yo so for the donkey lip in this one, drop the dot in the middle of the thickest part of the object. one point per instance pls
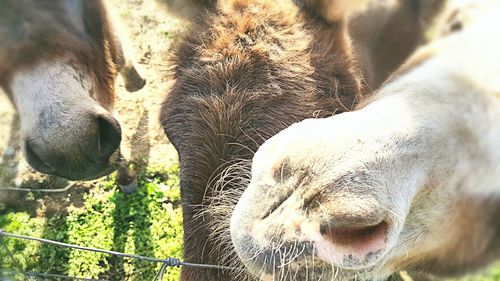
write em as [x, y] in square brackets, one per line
[355, 235]
[36, 162]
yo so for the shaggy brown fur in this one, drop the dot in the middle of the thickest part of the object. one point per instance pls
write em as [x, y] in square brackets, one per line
[32, 31]
[384, 37]
[246, 70]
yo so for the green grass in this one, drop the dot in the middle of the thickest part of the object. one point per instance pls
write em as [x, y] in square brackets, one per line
[148, 223]
[491, 274]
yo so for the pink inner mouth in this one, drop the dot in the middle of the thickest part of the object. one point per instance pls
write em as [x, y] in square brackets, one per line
[356, 237]
[357, 244]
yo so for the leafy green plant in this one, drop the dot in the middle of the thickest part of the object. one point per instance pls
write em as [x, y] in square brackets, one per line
[147, 223]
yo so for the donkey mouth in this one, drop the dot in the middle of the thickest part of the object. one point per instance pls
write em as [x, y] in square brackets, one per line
[355, 236]
[35, 161]
[353, 246]
[84, 170]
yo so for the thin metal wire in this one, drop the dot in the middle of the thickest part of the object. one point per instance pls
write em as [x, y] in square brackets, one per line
[39, 274]
[159, 275]
[9, 253]
[46, 190]
[173, 262]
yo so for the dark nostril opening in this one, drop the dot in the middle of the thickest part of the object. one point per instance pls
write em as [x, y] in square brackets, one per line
[276, 204]
[35, 161]
[110, 136]
[456, 26]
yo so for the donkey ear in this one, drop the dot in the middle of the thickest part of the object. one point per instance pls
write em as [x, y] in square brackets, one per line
[187, 9]
[334, 10]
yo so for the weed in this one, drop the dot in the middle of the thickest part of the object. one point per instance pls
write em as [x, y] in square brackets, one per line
[148, 223]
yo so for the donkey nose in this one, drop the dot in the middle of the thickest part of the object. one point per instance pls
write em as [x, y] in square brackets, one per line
[79, 146]
[108, 137]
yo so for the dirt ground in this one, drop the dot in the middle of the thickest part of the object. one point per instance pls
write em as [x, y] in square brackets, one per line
[150, 32]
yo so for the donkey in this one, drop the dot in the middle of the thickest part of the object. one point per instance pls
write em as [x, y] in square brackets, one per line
[409, 180]
[245, 70]
[58, 62]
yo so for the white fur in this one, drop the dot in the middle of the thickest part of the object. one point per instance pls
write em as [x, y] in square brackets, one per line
[57, 85]
[432, 133]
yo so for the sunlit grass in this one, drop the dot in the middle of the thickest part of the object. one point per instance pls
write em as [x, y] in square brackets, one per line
[147, 223]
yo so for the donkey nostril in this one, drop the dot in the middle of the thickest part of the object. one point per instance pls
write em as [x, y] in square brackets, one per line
[35, 161]
[109, 136]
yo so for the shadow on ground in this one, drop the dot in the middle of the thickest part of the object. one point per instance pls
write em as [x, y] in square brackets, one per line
[132, 227]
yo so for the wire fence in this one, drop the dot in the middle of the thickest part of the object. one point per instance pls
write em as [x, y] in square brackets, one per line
[44, 190]
[168, 262]
[31, 275]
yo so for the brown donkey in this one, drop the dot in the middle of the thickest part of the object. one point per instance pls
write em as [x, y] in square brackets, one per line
[58, 62]
[248, 69]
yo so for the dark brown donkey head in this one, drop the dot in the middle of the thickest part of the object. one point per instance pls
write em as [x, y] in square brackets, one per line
[58, 62]
[246, 70]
